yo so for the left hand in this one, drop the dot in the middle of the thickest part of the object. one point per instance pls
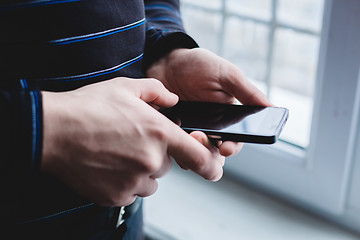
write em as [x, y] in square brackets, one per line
[200, 75]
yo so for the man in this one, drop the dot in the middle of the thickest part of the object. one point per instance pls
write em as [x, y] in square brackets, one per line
[81, 84]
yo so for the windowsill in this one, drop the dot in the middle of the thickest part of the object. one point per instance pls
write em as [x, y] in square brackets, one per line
[187, 207]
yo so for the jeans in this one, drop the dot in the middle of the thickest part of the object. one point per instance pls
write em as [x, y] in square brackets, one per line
[95, 223]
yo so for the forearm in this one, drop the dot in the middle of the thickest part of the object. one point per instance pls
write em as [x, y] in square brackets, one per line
[164, 14]
[164, 30]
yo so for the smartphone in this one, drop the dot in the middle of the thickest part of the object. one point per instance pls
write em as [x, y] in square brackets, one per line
[227, 122]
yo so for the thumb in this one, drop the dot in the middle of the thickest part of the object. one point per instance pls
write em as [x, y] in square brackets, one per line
[153, 91]
[236, 84]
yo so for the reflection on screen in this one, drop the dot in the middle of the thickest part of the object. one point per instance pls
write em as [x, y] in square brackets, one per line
[232, 118]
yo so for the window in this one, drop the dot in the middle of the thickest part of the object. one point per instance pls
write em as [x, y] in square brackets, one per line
[305, 55]
[276, 44]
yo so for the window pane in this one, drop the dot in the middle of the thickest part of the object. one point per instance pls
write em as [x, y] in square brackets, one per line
[293, 79]
[203, 26]
[295, 61]
[215, 4]
[246, 46]
[254, 8]
[302, 13]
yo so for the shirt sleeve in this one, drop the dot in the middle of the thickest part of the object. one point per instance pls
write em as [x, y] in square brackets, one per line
[164, 30]
[21, 135]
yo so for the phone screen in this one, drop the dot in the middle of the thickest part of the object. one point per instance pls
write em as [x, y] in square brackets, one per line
[234, 122]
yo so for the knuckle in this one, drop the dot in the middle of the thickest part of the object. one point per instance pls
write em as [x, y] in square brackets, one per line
[152, 164]
[151, 156]
[208, 170]
[150, 190]
[213, 176]
[151, 161]
[209, 176]
[155, 82]
[159, 132]
[199, 164]
[112, 200]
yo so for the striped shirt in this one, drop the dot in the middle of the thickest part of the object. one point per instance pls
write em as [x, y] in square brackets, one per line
[60, 45]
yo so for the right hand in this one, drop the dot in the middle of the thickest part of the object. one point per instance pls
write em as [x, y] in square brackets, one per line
[107, 143]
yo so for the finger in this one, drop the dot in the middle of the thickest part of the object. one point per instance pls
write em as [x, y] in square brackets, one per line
[220, 96]
[153, 91]
[147, 187]
[228, 148]
[191, 154]
[123, 202]
[182, 166]
[236, 84]
[156, 107]
[204, 140]
[166, 166]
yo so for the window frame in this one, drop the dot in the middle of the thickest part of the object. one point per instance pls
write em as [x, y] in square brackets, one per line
[318, 177]
[321, 177]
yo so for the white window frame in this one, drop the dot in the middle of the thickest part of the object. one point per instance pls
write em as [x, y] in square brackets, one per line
[319, 177]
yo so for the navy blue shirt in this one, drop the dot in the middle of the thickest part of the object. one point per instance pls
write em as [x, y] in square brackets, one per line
[60, 45]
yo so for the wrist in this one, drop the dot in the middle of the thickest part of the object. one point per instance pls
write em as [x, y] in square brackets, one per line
[163, 68]
[156, 48]
[53, 121]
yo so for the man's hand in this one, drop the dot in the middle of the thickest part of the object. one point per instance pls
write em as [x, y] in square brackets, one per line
[109, 144]
[200, 75]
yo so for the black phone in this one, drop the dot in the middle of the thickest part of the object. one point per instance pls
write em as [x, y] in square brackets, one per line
[228, 122]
